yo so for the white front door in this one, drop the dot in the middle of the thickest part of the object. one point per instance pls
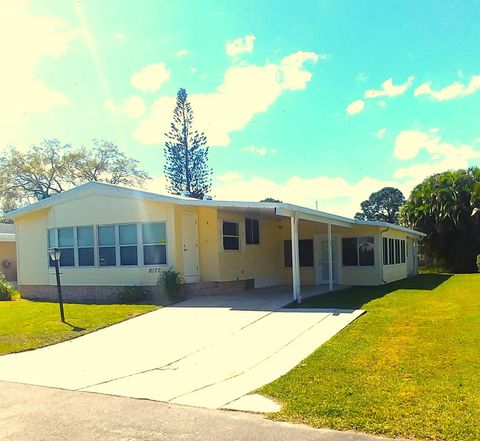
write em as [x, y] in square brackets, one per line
[320, 242]
[191, 271]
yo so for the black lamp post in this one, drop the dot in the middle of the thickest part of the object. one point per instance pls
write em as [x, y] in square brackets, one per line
[55, 257]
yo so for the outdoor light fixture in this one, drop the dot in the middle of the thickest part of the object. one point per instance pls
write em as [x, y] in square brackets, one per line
[55, 255]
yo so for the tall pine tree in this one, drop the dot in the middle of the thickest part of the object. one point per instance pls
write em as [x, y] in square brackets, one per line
[186, 167]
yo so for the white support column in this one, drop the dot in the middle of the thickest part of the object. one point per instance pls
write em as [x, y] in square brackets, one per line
[295, 259]
[330, 258]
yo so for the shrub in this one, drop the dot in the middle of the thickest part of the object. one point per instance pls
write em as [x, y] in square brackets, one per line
[133, 294]
[478, 263]
[7, 291]
[172, 281]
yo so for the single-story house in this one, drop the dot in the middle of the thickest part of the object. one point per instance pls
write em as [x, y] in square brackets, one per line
[8, 252]
[111, 236]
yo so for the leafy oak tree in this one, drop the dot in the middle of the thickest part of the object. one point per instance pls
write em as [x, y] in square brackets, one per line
[52, 167]
[270, 200]
[382, 205]
[186, 166]
[446, 207]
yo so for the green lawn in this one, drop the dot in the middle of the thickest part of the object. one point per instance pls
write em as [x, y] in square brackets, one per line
[28, 325]
[409, 367]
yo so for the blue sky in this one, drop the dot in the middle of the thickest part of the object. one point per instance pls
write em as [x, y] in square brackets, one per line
[305, 101]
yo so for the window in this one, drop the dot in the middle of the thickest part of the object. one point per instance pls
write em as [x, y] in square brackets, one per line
[366, 251]
[86, 255]
[391, 251]
[358, 251]
[349, 251]
[67, 246]
[116, 245]
[385, 250]
[154, 243]
[128, 244]
[107, 253]
[305, 251]
[397, 250]
[231, 238]
[394, 251]
[252, 231]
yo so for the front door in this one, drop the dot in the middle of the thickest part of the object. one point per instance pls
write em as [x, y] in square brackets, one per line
[191, 271]
[321, 259]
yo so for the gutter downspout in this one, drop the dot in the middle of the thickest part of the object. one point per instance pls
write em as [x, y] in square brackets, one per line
[381, 266]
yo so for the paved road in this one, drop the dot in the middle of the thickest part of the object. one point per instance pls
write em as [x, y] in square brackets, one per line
[206, 352]
[37, 413]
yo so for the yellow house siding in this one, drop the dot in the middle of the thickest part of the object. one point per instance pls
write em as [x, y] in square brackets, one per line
[251, 261]
[32, 257]
[8, 253]
[208, 244]
[91, 210]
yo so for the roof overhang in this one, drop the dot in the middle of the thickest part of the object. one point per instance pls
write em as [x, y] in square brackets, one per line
[313, 216]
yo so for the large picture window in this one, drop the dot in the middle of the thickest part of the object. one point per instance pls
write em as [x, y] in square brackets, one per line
[358, 251]
[115, 245]
[231, 236]
[305, 252]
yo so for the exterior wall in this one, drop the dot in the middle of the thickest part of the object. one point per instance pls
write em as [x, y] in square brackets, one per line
[260, 262]
[398, 271]
[8, 260]
[92, 210]
[363, 275]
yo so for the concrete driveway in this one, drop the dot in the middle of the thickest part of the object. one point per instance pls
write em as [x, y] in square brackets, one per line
[207, 352]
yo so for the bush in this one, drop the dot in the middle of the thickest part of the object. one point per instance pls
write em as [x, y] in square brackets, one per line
[478, 263]
[172, 281]
[7, 291]
[133, 294]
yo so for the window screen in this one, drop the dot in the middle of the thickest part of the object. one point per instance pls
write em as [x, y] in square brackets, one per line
[252, 231]
[305, 252]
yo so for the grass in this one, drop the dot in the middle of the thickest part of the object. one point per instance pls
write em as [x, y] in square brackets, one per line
[409, 367]
[28, 325]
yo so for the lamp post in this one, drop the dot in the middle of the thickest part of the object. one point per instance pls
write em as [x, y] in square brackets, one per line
[55, 257]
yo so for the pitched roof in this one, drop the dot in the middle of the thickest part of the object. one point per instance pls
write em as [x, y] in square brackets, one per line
[283, 209]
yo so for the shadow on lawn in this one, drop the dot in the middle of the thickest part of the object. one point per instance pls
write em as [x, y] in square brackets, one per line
[75, 328]
[356, 297]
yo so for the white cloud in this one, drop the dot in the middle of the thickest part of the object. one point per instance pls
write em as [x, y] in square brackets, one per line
[443, 155]
[25, 40]
[355, 107]
[183, 52]
[241, 45]
[389, 89]
[119, 36]
[294, 77]
[132, 106]
[246, 90]
[380, 133]
[260, 151]
[151, 77]
[450, 92]
[229, 176]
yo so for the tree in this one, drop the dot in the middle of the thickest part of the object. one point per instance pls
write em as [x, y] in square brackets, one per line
[186, 166]
[446, 207]
[383, 206]
[52, 167]
[270, 200]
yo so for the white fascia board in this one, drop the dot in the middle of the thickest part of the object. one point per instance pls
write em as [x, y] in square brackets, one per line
[391, 226]
[304, 214]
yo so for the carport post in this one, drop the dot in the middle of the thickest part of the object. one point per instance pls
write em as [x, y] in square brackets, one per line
[330, 258]
[295, 259]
